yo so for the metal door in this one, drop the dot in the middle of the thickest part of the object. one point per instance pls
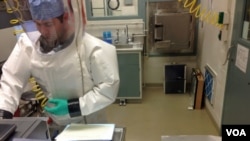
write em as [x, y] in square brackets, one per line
[171, 29]
[237, 93]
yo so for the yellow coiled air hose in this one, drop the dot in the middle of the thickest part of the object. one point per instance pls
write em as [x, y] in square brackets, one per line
[15, 7]
[204, 15]
[39, 94]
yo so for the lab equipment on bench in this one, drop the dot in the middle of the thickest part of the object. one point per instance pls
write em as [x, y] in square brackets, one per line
[6, 130]
[28, 127]
[87, 132]
[39, 129]
[191, 138]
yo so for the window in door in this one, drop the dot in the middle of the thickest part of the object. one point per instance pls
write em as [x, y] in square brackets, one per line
[246, 22]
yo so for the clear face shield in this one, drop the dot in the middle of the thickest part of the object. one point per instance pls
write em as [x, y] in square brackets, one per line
[59, 23]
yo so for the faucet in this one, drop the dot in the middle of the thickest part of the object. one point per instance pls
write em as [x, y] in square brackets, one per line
[128, 39]
[117, 36]
[134, 35]
[124, 36]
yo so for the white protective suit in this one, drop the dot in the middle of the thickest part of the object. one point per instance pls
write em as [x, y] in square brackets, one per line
[88, 72]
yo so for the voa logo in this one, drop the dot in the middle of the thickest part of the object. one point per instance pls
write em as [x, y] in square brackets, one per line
[236, 132]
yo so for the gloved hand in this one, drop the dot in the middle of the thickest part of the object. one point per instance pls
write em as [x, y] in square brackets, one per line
[57, 107]
[5, 114]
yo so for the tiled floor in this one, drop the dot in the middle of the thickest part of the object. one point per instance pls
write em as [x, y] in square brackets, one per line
[160, 114]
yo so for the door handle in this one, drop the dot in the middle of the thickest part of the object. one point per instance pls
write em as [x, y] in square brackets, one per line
[229, 54]
[159, 28]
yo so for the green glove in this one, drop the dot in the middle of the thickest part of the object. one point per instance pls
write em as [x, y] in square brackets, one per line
[57, 107]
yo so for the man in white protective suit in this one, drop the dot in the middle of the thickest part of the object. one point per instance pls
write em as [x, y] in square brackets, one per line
[76, 71]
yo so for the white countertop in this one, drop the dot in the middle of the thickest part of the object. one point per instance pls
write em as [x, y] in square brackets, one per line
[137, 47]
[134, 49]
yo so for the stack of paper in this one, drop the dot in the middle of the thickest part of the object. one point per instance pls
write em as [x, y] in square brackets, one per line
[87, 132]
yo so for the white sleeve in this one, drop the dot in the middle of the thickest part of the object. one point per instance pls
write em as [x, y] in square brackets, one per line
[105, 74]
[15, 76]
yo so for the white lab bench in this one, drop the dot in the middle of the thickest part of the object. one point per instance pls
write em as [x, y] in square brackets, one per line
[35, 128]
[191, 138]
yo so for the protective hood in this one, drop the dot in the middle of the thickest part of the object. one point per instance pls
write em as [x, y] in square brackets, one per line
[51, 25]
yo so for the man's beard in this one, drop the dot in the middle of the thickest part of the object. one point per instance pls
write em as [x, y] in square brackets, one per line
[46, 45]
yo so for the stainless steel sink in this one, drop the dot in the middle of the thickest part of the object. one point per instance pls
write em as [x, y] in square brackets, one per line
[124, 45]
[128, 45]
